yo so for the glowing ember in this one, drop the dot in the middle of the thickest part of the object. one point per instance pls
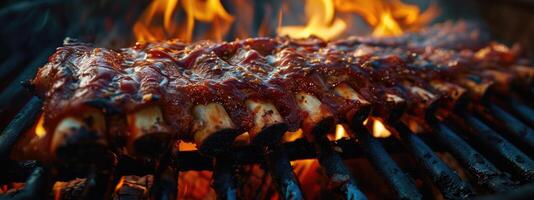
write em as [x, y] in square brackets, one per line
[63, 189]
[292, 136]
[40, 131]
[57, 193]
[308, 175]
[378, 129]
[187, 146]
[195, 185]
[148, 27]
[242, 139]
[119, 184]
[340, 132]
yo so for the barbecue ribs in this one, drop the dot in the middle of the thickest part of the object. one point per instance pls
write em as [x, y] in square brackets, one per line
[210, 92]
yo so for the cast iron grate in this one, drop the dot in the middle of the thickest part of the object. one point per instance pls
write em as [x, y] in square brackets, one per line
[492, 144]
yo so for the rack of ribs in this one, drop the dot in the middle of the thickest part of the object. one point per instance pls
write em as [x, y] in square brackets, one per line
[143, 97]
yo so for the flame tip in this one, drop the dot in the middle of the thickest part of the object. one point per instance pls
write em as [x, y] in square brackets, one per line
[326, 19]
[148, 27]
[378, 128]
[388, 18]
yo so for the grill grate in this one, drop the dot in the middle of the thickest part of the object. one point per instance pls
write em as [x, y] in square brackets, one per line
[102, 177]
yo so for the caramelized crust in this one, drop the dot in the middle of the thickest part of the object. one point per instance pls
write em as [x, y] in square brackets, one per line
[178, 76]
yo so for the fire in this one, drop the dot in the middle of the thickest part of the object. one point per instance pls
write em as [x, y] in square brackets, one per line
[389, 17]
[378, 129]
[308, 175]
[40, 131]
[386, 17]
[340, 132]
[119, 184]
[186, 146]
[243, 139]
[327, 19]
[195, 185]
[321, 22]
[57, 193]
[149, 26]
[292, 136]
[387, 26]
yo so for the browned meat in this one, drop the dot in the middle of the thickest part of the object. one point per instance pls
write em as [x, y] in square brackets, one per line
[305, 80]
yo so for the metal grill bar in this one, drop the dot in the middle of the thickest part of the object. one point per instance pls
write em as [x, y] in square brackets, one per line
[524, 112]
[334, 167]
[100, 183]
[15, 92]
[523, 193]
[509, 124]
[193, 160]
[9, 67]
[16, 171]
[519, 163]
[22, 121]
[332, 163]
[165, 185]
[485, 173]
[398, 180]
[34, 187]
[282, 174]
[449, 183]
[223, 179]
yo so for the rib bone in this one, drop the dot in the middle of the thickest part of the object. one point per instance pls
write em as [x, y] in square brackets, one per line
[212, 120]
[358, 114]
[316, 111]
[347, 92]
[148, 131]
[266, 116]
[88, 128]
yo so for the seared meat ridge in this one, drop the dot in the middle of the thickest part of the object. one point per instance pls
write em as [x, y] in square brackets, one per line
[209, 93]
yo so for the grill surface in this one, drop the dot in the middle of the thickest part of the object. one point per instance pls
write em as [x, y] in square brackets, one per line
[499, 162]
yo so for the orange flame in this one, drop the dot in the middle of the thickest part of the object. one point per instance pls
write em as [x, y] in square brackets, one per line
[339, 134]
[168, 19]
[58, 186]
[308, 175]
[378, 129]
[57, 194]
[148, 27]
[40, 131]
[119, 184]
[386, 17]
[186, 146]
[389, 17]
[321, 22]
[292, 136]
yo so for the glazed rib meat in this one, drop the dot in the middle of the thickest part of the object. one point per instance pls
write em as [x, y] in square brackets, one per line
[190, 91]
